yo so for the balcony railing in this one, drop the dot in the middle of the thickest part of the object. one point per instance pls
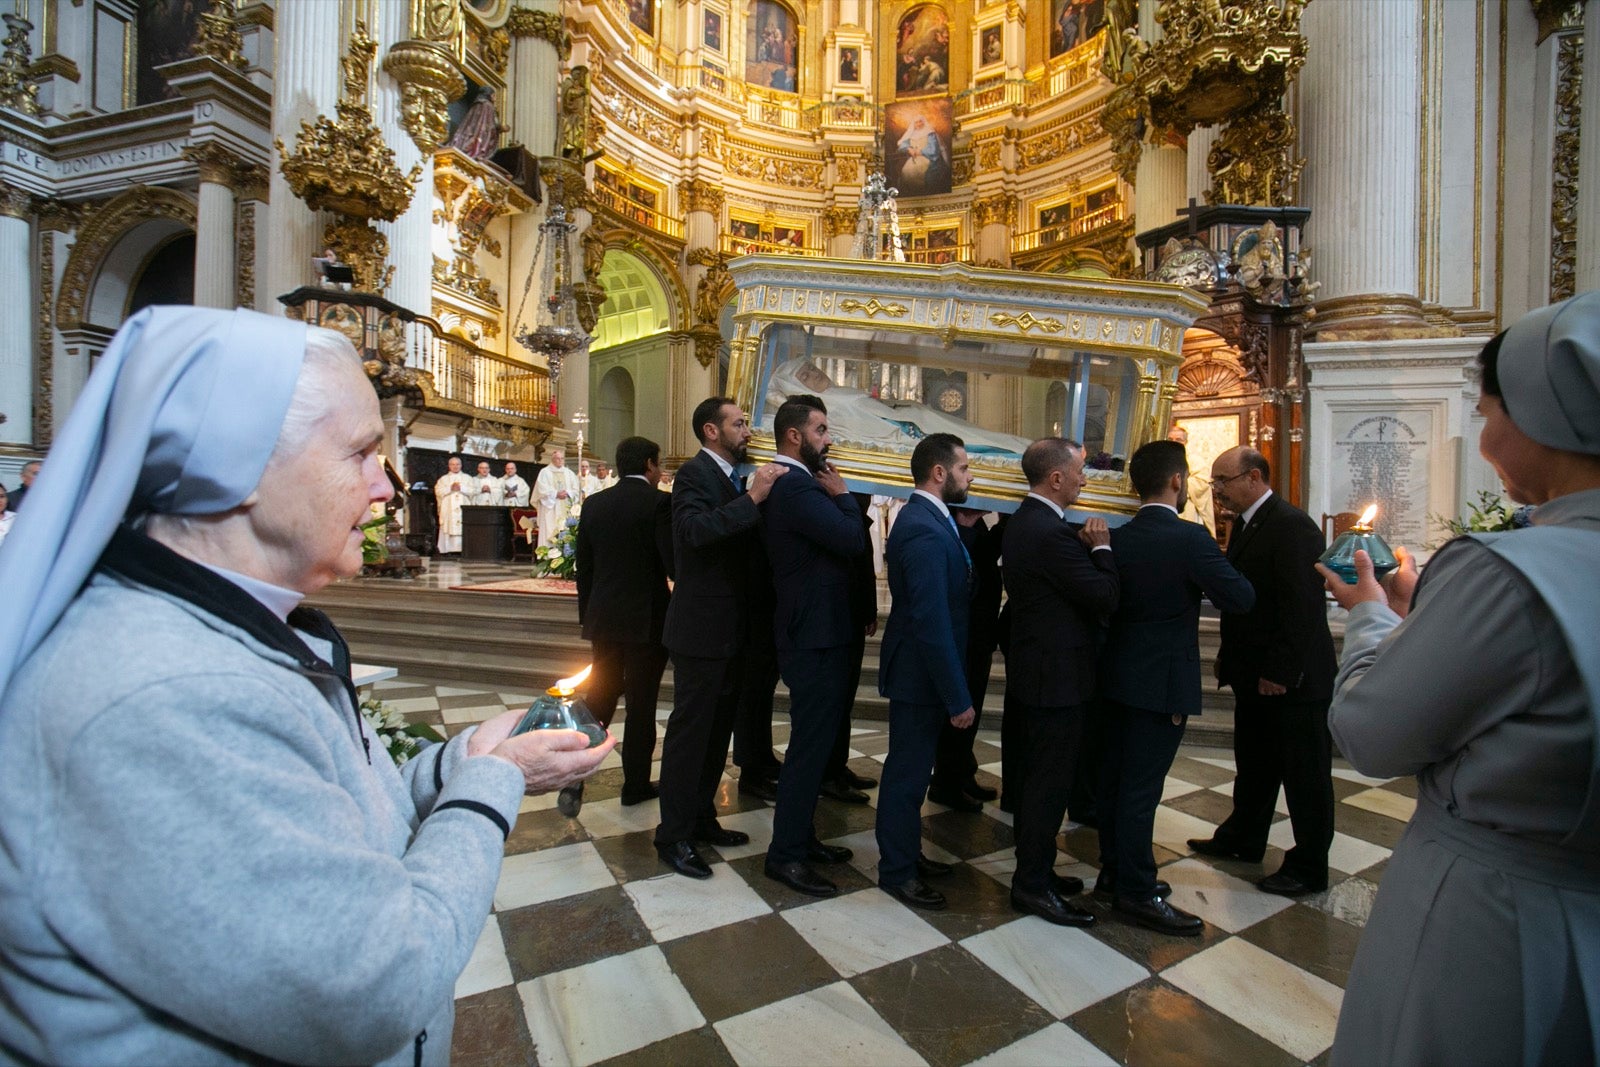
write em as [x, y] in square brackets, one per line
[1074, 69]
[961, 253]
[630, 208]
[466, 375]
[994, 93]
[734, 245]
[1028, 240]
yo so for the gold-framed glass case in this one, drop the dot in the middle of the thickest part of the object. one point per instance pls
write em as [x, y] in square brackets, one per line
[1000, 358]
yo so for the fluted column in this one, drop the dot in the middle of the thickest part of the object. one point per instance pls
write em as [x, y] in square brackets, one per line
[215, 237]
[538, 44]
[411, 235]
[573, 389]
[1160, 186]
[16, 328]
[1361, 136]
[1588, 276]
[1199, 173]
[994, 217]
[309, 40]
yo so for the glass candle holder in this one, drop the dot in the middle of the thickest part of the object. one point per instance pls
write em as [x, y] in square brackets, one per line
[561, 709]
[1341, 555]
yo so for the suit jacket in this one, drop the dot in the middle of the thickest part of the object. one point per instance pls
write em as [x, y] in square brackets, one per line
[1285, 637]
[812, 540]
[1059, 593]
[925, 640]
[1152, 656]
[715, 529]
[624, 556]
[983, 545]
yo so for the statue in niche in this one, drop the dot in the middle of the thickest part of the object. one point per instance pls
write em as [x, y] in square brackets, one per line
[572, 119]
[479, 133]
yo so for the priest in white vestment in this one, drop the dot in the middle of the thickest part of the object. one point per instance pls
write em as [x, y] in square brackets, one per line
[555, 491]
[488, 492]
[514, 489]
[608, 477]
[587, 482]
[453, 490]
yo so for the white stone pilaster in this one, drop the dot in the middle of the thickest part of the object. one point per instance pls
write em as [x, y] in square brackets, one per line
[572, 391]
[308, 40]
[1199, 173]
[1160, 186]
[411, 235]
[532, 81]
[16, 329]
[214, 245]
[1588, 276]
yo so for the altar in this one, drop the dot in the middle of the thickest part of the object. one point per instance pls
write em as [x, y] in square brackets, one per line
[1000, 358]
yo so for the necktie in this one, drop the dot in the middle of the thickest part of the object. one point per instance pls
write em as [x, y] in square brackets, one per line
[738, 481]
[951, 519]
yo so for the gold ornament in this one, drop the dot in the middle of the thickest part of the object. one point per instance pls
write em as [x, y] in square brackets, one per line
[218, 35]
[429, 80]
[545, 25]
[1253, 160]
[17, 90]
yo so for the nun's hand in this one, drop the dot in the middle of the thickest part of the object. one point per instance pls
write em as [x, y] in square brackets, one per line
[1364, 591]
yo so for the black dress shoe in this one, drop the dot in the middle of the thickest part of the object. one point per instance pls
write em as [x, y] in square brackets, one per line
[817, 852]
[980, 792]
[932, 868]
[801, 878]
[1050, 907]
[630, 797]
[1157, 914]
[1105, 890]
[953, 799]
[570, 800]
[838, 789]
[1289, 885]
[1066, 885]
[682, 857]
[860, 781]
[917, 894]
[716, 835]
[760, 788]
[1210, 846]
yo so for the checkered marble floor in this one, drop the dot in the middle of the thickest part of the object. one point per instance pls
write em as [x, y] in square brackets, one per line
[596, 954]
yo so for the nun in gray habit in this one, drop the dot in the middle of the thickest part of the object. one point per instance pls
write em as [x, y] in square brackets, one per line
[1483, 946]
[205, 855]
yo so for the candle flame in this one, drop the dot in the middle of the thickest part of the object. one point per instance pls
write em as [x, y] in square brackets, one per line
[1368, 515]
[565, 687]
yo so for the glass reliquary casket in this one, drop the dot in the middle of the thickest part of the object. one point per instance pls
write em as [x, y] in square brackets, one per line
[1000, 358]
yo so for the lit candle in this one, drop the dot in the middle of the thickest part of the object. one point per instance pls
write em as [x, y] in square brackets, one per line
[1341, 555]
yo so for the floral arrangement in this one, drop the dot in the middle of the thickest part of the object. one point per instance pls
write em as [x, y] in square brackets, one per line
[403, 739]
[1489, 515]
[559, 559]
[374, 540]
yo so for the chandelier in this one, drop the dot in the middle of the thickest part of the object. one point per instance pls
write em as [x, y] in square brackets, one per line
[556, 332]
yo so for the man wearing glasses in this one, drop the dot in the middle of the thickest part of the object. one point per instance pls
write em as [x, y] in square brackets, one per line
[1278, 658]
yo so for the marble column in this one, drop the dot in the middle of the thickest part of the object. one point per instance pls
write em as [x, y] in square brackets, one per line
[994, 217]
[572, 391]
[1160, 186]
[1588, 275]
[538, 45]
[1362, 139]
[16, 329]
[309, 40]
[1199, 173]
[215, 238]
[411, 235]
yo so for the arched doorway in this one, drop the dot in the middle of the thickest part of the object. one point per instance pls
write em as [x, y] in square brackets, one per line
[167, 276]
[613, 412]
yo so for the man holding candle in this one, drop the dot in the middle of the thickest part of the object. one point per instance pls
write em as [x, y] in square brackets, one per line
[1278, 657]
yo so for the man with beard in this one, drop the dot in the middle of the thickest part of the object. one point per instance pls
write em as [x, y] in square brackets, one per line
[715, 531]
[813, 533]
[923, 662]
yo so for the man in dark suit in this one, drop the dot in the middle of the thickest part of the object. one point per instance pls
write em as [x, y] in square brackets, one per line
[955, 769]
[813, 532]
[1279, 659]
[715, 528]
[1150, 676]
[839, 782]
[924, 652]
[30, 471]
[1061, 584]
[624, 557]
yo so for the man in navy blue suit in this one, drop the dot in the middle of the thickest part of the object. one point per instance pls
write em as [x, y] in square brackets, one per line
[923, 660]
[813, 533]
[1150, 676]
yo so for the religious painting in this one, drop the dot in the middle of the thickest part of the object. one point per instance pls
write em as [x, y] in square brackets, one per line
[642, 13]
[1073, 22]
[849, 64]
[1053, 223]
[922, 52]
[167, 29]
[943, 245]
[990, 47]
[788, 237]
[746, 236]
[772, 40]
[713, 33]
[917, 135]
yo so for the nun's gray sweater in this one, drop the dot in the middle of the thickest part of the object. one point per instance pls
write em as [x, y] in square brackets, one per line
[198, 862]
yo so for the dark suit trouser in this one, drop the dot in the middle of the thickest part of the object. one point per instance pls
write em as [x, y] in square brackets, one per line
[631, 670]
[817, 701]
[1010, 752]
[954, 765]
[1139, 746]
[752, 732]
[913, 738]
[695, 749]
[1282, 741]
[1091, 757]
[839, 755]
[1049, 739]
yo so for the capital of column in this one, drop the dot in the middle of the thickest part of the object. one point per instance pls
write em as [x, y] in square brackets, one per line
[839, 221]
[218, 165]
[997, 210]
[701, 195]
[1557, 15]
[546, 25]
[15, 203]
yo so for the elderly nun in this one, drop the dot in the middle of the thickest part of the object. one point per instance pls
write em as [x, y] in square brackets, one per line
[1483, 946]
[204, 854]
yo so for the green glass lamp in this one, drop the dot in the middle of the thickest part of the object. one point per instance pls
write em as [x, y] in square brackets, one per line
[1341, 555]
[561, 709]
